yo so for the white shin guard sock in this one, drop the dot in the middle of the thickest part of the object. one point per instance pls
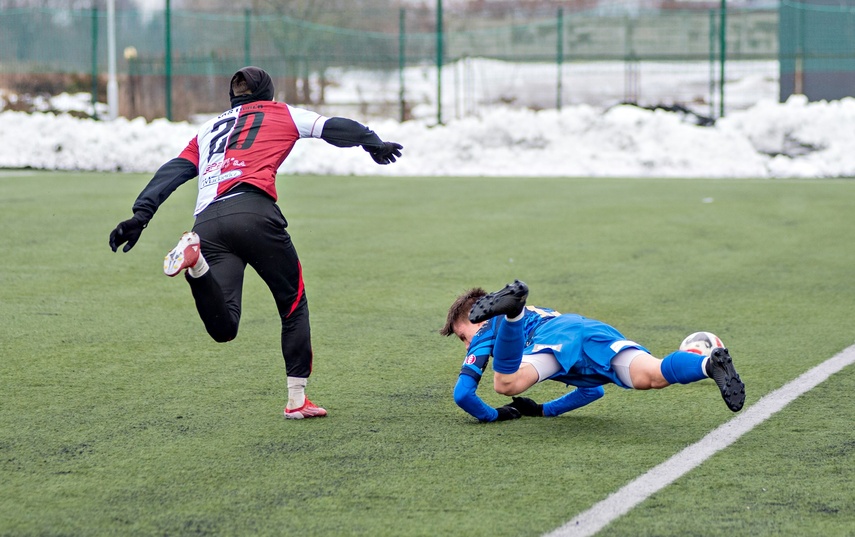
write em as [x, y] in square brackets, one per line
[199, 269]
[296, 392]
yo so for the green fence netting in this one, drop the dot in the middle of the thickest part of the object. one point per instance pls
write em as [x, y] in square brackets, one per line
[817, 44]
[609, 58]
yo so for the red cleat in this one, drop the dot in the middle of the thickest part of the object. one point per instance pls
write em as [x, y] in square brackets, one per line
[184, 255]
[308, 410]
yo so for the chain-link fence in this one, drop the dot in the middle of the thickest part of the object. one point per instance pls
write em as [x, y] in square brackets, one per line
[178, 63]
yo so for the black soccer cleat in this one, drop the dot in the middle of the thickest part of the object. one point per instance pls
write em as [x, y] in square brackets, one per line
[509, 301]
[720, 369]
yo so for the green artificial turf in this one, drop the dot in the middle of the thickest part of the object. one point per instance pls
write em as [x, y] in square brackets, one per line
[120, 416]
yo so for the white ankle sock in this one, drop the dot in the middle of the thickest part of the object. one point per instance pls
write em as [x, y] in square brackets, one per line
[199, 269]
[296, 392]
[517, 318]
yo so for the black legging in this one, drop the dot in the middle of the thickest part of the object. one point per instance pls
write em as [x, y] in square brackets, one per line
[249, 229]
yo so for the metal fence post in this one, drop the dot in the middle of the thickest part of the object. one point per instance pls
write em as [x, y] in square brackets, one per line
[402, 58]
[799, 68]
[112, 82]
[560, 54]
[723, 52]
[630, 78]
[94, 62]
[168, 61]
[247, 43]
[712, 62]
[439, 39]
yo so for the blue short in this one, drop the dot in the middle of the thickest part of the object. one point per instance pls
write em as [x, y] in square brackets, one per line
[584, 348]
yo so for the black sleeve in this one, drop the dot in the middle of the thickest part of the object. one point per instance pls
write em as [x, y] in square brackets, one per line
[170, 176]
[343, 132]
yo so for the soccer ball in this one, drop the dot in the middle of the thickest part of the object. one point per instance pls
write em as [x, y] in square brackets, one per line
[701, 343]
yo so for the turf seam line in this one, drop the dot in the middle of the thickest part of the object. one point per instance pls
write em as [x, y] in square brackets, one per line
[626, 498]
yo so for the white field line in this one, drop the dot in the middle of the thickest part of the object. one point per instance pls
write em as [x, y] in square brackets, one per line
[621, 502]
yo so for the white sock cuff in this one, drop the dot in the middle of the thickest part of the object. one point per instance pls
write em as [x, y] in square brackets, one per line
[297, 382]
[517, 318]
[199, 269]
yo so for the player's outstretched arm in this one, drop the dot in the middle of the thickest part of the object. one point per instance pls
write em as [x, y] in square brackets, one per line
[343, 132]
[128, 232]
[166, 179]
[169, 177]
[468, 400]
[573, 400]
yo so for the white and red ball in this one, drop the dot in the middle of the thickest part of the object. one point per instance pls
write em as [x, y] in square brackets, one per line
[701, 343]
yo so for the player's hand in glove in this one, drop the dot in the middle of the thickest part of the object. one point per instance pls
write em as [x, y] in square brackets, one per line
[386, 154]
[508, 412]
[128, 231]
[527, 407]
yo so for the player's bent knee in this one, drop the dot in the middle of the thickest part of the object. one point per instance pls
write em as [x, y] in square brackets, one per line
[649, 382]
[646, 373]
[221, 339]
[642, 383]
[222, 336]
[508, 385]
[515, 383]
[658, 383]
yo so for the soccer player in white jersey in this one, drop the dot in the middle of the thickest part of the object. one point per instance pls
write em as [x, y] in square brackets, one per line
[235, 157]
[530, 345]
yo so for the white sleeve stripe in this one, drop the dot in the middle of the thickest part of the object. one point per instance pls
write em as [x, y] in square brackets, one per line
[319, 125]
[308, 123]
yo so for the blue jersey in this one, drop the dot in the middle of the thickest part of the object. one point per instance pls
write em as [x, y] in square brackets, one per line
[478, 355]
[481, 347]
[583, 347]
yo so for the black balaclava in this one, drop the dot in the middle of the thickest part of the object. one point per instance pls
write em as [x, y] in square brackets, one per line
[259, 83]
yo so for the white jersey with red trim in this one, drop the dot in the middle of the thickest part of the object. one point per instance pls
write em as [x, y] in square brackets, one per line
[247, 144]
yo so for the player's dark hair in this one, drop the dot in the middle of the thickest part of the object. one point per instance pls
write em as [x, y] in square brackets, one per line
[250, 84]
[239, 85]
[461, 308]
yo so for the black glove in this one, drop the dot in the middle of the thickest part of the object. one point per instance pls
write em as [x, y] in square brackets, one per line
[385, 154]
[508, 412]
[527, 407]
[128, 231]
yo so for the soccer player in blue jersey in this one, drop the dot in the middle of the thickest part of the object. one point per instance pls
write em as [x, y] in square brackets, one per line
[530, 345]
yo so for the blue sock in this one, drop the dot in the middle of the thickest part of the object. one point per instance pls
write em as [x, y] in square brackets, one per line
[681, 367]
[510, 343]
